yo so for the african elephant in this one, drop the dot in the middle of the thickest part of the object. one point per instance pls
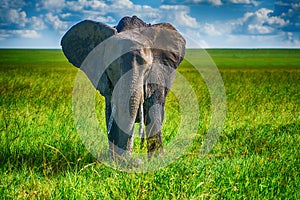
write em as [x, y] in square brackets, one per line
[150, 56]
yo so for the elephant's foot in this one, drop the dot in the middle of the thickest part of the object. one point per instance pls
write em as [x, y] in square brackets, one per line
[122, 157]
[126, 162]
[155, 146]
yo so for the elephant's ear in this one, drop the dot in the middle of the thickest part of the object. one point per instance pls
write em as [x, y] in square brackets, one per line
[174, 42]
[82, 38]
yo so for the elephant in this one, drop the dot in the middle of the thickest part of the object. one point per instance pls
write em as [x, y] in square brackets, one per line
[151, 54]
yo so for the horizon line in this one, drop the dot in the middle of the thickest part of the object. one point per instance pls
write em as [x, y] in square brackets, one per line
[50, 48]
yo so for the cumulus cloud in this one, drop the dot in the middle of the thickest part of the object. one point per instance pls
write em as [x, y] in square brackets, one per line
[13, 16]
[103, 11]
[212, 2]
[209, 29]
[55, 22]
[54, 5]
[37, 23]
[178, 15]
[184, 20]
[4, 34]
[27, 33]
[21, 33]
[189, 2]
[12, 4]
[17, 20]
[289, 10]
[121, 8]
[292, 38]
[86, 4]
[122, 4]
[259, 22]
[65, 15]
[253, 2]
[296, 5]
[107, 19]
[194, 39]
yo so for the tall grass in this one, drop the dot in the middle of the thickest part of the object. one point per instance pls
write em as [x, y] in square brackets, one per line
[257, 154]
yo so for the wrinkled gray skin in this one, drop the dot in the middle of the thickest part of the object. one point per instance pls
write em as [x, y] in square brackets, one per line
[144, 74]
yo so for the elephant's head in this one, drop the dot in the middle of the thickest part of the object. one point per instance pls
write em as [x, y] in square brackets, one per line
[137, 65]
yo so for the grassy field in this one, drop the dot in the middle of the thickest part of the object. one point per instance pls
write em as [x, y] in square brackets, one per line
[256, 157]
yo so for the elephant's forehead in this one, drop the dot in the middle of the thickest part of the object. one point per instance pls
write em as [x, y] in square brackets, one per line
[132, 38]
[121, 44]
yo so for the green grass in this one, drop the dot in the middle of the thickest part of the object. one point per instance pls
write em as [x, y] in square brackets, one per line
[256, 157]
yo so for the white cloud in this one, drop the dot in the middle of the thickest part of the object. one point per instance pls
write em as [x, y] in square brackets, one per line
[4, 34]
[100, 10]
[19, 19]
[13, 16]
[292, 39]
[12, 4]
[259, 22]
[65, 15]
[195, 40]
[37, 23]
[87, 5]
[74, 5]
[178, 15]
[53, 5]
[107, 19]
[184, 20]
[261, 41]
[55, 22]
[98, 4]
[296, 5]
[174, 7]
[210, 29]
[213, 2]
[27, 33]
[255, 3]
[144, 12]
[210, 2]
[122, 4]
[259, 29]
[289, 11]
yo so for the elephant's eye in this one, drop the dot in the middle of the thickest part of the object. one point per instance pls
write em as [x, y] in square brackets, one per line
[140, 60]
[144, 57]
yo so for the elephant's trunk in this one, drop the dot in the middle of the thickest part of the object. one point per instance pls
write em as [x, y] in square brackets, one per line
[137, 95]
[127, 101]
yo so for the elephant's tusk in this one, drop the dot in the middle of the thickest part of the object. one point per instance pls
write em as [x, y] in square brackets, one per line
[142, 124]
[111, 119]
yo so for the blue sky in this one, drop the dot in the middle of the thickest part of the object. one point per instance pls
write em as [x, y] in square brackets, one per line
[204, 23]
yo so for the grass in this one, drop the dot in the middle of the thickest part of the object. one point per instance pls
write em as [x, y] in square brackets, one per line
[256, 156]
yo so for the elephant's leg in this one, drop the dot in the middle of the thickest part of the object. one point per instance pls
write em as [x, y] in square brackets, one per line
[154, 144]
[120, 143]
[130, 144]
[112, 138]
[154, 118]
[125, 143]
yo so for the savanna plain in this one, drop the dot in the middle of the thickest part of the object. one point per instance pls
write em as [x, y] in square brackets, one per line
[256, 155]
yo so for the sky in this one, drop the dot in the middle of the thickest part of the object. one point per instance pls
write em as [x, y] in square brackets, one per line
[204, 23]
